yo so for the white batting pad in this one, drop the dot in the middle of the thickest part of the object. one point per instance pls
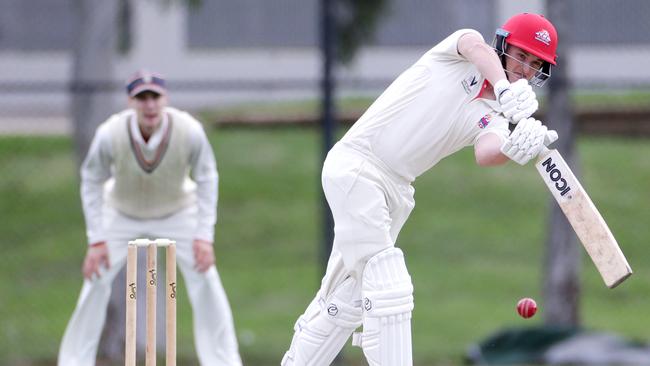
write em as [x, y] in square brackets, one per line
[387, 295]
[323, 329]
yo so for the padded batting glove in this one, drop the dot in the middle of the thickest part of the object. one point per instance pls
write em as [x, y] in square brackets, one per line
[527, 140]
[517, 100]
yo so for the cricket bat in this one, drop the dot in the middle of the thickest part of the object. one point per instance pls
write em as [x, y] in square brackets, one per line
[589, 225]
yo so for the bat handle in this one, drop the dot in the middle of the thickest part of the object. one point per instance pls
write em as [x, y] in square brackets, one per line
[543, 154]
[549, 138]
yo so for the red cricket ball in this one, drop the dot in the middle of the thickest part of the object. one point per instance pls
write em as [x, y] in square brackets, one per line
[526, 307]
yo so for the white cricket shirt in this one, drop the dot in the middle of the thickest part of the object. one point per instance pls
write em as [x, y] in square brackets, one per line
[149, 180]
[429, 112]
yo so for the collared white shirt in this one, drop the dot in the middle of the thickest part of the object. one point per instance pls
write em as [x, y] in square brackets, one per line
[430, 111]
[96, 171]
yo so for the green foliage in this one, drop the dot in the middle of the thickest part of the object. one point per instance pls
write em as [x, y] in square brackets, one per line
[474, 244]
[356, 22]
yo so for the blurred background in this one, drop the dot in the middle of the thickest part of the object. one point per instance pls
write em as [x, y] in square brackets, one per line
[275, 82]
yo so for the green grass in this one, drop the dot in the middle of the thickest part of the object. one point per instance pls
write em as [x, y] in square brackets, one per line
[622, 99]
[354, 106]
[474, 244]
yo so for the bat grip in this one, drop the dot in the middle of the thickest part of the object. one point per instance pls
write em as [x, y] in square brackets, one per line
[543, 154]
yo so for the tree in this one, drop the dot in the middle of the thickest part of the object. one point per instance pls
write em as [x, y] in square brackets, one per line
[92, 68]
[355, 23]
[562, 263]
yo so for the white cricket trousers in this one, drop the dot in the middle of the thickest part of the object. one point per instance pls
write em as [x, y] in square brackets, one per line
[214, 332]
[370, 204]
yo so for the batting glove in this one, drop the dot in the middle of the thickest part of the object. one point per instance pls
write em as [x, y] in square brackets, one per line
[527, 141]
[517, 100]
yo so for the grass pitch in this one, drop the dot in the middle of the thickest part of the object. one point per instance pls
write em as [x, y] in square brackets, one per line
[474, 244]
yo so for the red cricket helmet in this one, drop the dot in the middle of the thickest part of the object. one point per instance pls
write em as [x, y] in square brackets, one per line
[534, 34]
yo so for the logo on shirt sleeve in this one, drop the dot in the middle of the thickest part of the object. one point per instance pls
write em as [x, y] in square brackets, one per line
[484, 121]
[469, 83]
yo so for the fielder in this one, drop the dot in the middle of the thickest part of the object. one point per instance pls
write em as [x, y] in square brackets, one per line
[150, 172]
[459, 93]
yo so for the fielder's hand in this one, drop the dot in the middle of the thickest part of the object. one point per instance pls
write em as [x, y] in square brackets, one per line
[96, 256]
[517, 100]
[203, 255]
[527, 141]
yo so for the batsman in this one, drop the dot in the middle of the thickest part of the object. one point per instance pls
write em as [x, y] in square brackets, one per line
[462, 92]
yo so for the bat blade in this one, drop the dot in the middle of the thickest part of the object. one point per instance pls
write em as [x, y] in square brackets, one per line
[582, 214]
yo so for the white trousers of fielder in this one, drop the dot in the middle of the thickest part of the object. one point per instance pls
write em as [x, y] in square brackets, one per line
[214, 333]
[366, 281]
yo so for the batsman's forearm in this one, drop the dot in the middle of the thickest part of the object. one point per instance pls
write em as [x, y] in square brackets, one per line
[487, 151]
[483, 57]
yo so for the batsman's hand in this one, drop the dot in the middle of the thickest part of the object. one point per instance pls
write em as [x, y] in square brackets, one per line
[96, 256]
[517, 100]
[527, 141]
[203, 255]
